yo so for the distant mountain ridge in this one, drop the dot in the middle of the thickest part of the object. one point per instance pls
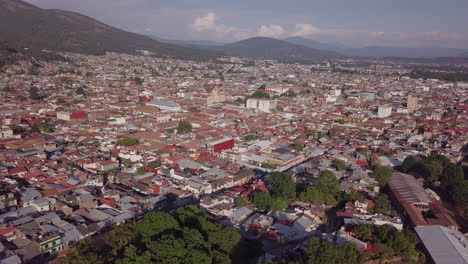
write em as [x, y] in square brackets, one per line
[275, 49]
[381, 51]
[315, 44]
[25, 25]
[196, 43]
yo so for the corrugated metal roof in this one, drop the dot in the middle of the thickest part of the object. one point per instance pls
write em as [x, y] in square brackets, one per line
[446, 246]
[407, 190]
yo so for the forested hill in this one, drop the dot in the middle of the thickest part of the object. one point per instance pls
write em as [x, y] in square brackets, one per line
[26, 26]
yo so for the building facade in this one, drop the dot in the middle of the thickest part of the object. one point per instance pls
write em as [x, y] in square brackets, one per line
[264, 105]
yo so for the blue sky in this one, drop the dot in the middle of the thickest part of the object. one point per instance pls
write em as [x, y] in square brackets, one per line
[442, 23]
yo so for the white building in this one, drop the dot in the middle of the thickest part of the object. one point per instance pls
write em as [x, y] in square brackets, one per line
[63, 116]
[335, 92]
[161, 118]
[384, 111]
[278, 89]
[6, 132]
[331, 98]
[165, 105]
[264, 105]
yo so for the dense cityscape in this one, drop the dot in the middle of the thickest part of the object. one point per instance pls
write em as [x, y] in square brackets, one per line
[139, 158]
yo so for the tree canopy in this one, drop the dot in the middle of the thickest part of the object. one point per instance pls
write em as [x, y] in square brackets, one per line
[328, 183]
[262, 201]
[282, 185]
[260, 95]
[127, 142]
[339, 165]
[184, 127]
[321, 251]
[382, 174]
[188, 237]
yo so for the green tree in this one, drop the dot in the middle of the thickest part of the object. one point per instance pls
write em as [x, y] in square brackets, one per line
[321, 251]
[134, 256]
[250, 137]
[339, 165]
[154, 224]
[298, 147]
[224, 239]
[355, 196]
[35, 129]
[282, 185]
[383, 251]
[168, 249]
[382, 204]
[153, 165]
[141, 170]
[364, 151]
[362, 232]
[262, 201]
[460, 192]
[220, 258]
[184, 127]
[332, 132]
[45, 127]
[408, 163]
[85, 253]
[34, 93]
[398, 242]
[329, 199]
[7, 89]
[350, 254]
[311, 133]
[382, 174]
[122, 236]
[328, 183]
[80, 91]
[240, 202]
[139, 81]
[16, 129]
[289, 93]
[260, 95]
[267, 165]
[312, 194]
[127, 142]
[279, 203]
[435, 169]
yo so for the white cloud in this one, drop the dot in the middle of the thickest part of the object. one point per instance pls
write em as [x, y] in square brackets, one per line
[208, 23]
[272, 31]
[305, 30]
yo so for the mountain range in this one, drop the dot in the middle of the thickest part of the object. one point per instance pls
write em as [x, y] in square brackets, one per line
[196, 43]
[30, 29]
[270, 48]
[381, 51]
[23, 25]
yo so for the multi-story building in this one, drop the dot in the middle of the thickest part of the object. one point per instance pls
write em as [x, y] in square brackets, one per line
[6, 132]
[50, 244]
[384, 111]
[215, 97]
[264, 105]
[412, 102]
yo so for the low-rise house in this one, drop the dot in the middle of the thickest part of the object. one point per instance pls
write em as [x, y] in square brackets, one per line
[239, 215]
